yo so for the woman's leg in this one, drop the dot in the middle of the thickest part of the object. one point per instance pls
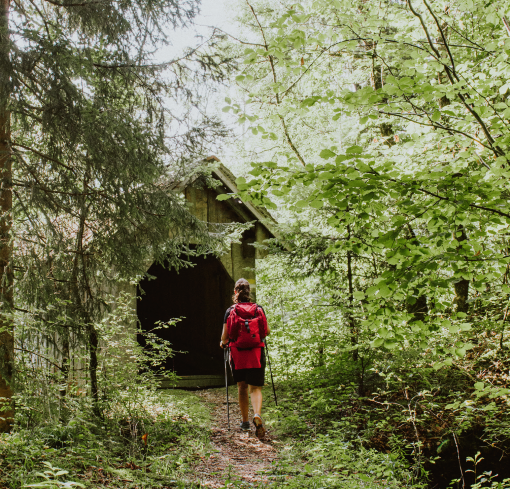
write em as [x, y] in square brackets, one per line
[244, 403]
[256, 398]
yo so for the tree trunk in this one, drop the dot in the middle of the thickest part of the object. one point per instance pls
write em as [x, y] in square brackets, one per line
[352, 324]
[462, 286]
[82, 294]
[66, 356]
[444, 100]
[376, 81]
[64, 386]
[420, 308]
[6, 294]
[94, 390]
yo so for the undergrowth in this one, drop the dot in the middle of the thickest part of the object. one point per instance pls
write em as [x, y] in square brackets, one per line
[153, 444]
[415, 429]
[323, 450]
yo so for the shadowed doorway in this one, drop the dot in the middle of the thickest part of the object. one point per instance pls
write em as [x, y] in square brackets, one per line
[201, 294]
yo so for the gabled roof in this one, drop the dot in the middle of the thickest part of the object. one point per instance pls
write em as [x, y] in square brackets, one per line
[228, 179]
[245, 210]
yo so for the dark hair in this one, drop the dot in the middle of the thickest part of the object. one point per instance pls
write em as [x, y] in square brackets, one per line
[241, 291]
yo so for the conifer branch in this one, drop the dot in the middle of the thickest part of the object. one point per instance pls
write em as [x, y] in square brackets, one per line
[153, 65]
[42, 155]
[35, 353]
[233, 37]
[82, 4]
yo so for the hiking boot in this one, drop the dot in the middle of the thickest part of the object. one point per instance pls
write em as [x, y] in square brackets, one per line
[260, 431]
[245, 426]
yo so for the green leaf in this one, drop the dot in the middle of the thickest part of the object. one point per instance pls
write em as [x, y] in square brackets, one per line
[479, 386]
[436, 116]
[390, 344]
[503, 88]
[317, 204]
[240, 180]
[224, 196]
[453, 328]
[372, 290]
[308, 102]
[326, 153]
[384, 291]
[354, 149]
[383, 332]
[378, 342]
[358, 295]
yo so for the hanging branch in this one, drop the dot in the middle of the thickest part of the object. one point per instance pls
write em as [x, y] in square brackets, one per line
[40, 356]
[452, 74]
[82, 4]
[278, 101]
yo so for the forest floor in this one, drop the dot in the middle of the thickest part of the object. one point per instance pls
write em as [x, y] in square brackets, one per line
[236, 457]
[174, 439]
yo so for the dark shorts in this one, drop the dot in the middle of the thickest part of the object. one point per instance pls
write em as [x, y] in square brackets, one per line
[252, 376]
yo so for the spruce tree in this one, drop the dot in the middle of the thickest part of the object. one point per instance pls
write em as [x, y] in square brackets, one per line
[93, 131]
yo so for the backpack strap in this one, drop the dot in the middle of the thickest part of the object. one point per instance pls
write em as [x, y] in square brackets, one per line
[263, 320]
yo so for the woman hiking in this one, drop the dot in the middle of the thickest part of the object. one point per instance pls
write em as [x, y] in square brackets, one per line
[245, 327]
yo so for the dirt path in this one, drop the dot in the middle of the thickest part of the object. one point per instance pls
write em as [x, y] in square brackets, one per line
[235, 455]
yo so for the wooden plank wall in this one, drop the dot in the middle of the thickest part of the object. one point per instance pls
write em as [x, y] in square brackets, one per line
[239, 261]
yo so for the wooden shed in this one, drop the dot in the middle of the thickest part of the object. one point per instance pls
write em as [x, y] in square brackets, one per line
[201, 294]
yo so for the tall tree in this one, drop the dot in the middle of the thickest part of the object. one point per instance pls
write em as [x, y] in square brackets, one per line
[432, 81]
[98, 133]
[6, 330]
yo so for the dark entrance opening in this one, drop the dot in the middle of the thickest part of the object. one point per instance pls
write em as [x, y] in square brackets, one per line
[201, 294]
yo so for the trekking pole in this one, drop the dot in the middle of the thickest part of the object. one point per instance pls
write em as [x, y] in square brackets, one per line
[271, 372]
[225, 358]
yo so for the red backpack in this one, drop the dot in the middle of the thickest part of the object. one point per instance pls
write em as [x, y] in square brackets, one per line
[245, 325]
